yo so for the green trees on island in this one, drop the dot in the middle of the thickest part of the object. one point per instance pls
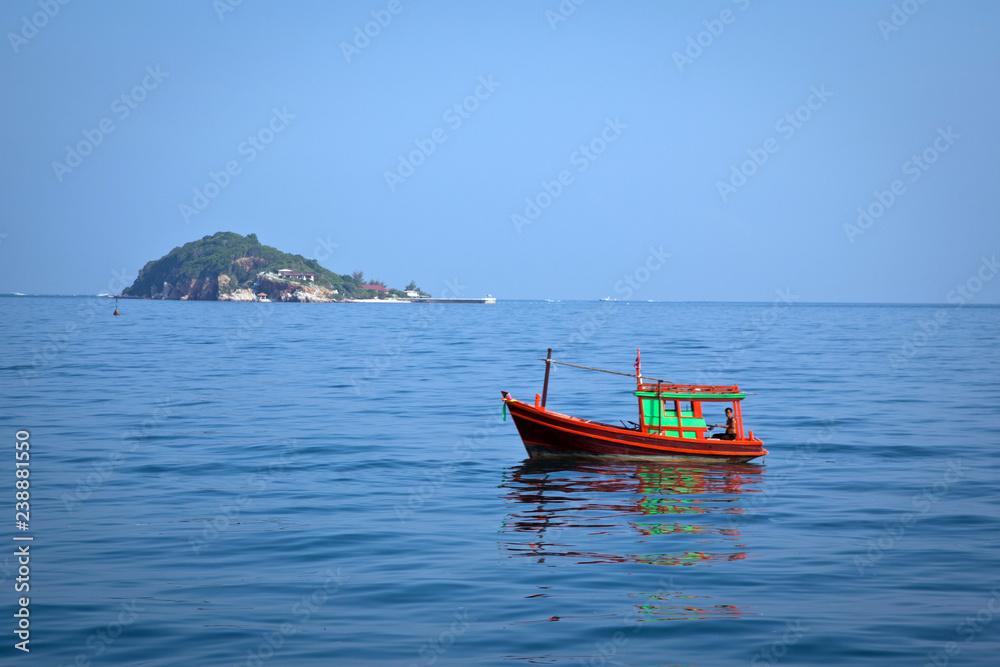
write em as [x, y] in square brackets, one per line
[241, 258]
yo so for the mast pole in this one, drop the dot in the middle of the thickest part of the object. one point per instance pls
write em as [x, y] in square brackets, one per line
[545, 385]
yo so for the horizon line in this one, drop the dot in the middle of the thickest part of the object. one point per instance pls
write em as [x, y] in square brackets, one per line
[552, 300]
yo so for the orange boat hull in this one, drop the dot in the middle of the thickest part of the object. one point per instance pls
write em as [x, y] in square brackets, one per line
[547, 434]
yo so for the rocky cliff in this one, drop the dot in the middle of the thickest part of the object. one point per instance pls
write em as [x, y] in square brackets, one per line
[278, 289]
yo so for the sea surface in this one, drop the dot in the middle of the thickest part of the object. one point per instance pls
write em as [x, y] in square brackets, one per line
[334, 484]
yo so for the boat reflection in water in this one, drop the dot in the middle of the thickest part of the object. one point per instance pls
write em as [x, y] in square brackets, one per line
[579, 513]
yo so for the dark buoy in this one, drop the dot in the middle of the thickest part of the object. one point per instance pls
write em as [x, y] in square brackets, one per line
[116, 308]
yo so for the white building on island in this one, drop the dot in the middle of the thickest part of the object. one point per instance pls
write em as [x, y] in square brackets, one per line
[289, 273]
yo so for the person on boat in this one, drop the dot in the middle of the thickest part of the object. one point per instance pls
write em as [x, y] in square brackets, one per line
[730, 433]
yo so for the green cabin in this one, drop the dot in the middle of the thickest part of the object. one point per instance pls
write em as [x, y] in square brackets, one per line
[676, 410]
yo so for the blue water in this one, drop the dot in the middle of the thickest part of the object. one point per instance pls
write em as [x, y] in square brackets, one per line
[295, 484]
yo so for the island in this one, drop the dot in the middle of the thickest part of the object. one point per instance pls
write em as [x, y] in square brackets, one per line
[228, 267]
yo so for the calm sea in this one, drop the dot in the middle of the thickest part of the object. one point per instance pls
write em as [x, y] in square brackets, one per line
[295, 484]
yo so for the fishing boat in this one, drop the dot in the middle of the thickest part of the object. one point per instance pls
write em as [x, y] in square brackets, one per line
[671, 424]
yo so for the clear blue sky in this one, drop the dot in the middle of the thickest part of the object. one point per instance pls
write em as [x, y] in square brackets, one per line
[673, 129]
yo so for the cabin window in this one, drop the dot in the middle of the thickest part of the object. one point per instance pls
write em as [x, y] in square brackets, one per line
[687, 408]
[660, 416]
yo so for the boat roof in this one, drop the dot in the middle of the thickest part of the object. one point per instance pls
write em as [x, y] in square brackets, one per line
[704, 392]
